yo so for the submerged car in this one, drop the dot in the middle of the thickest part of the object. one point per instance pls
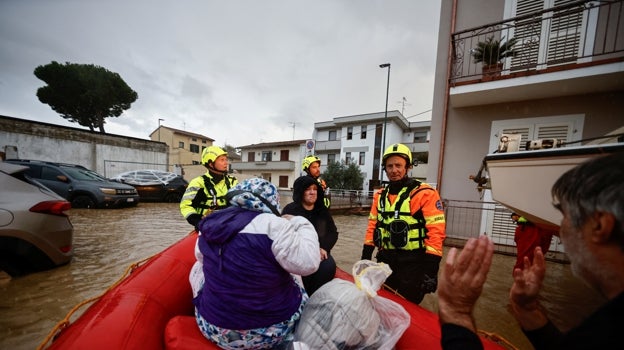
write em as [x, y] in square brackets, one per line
[35, 232]
[155, 185]
[82, 187]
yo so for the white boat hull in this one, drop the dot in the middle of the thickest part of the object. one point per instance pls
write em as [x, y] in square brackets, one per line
[522, 181]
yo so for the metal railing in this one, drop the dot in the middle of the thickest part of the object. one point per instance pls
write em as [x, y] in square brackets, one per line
[466, 219]
[563, 37]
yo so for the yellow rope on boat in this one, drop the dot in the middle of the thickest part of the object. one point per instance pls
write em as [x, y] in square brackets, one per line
[65, 322]
[497, 339]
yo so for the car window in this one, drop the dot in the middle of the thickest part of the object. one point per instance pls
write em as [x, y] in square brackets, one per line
[33, 171]
[48, 173]
[83, 174]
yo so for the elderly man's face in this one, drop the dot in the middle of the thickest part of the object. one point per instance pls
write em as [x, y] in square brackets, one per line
[582, 261]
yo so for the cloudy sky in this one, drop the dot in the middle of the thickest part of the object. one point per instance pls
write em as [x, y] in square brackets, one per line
[238, 71]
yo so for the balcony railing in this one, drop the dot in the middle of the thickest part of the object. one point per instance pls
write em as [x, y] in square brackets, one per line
[579, 34]
[266, 165]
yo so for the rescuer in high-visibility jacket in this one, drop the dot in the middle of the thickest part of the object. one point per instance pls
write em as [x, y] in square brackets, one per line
[311, 165]
[407, 225]
[206, 193]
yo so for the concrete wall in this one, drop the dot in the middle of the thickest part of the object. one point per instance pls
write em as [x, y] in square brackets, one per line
[106, 154]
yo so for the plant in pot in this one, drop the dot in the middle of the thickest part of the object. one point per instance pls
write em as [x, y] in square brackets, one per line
[491, 53]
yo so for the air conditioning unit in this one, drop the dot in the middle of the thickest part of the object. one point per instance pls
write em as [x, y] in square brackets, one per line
[543, 144]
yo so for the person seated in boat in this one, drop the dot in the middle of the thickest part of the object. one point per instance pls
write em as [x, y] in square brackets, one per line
[527, 236]
[245, 288]
[206, 193]
[591, 199]
[406, 223]
[308, 204]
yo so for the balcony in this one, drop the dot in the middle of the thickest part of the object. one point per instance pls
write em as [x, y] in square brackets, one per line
[268, 166]
[325, 146]
[566, 50]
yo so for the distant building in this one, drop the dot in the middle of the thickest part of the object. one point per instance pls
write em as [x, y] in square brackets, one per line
[184, 148]
[359, 139]
[278, 162]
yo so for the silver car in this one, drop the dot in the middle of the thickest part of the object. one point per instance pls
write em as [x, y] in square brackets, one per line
[35, 231]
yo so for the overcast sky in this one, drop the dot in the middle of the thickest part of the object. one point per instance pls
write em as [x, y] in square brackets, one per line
[239, 72]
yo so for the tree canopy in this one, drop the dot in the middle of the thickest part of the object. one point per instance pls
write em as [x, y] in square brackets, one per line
[343, 176]
[84, 93]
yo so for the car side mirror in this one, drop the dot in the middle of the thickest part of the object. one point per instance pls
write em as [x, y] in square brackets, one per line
[62, 178]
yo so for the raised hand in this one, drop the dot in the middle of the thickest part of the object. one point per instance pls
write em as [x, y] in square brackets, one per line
[461, 281]
[523, 295]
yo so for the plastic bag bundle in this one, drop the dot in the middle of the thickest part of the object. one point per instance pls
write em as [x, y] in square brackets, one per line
[345, 315]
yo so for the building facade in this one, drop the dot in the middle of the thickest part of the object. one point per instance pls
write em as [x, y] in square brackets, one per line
[565, 80]
[278, 162]
[360, 139]
[184, 148]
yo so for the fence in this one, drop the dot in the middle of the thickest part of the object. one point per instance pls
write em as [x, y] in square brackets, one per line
[466, 219]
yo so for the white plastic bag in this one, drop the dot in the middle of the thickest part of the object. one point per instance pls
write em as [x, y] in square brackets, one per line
[345, 315]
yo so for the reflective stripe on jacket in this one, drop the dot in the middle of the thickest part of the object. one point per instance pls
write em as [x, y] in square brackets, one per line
[202, 197]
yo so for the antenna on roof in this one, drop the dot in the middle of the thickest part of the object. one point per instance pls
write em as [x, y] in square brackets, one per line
[293, 126]
[403, 103]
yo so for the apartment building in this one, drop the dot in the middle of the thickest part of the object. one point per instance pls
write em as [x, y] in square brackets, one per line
[184, 148]
[564, 80]
[359, 139]
[278, 162]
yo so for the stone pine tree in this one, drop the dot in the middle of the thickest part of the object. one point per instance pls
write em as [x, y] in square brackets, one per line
[84, 93]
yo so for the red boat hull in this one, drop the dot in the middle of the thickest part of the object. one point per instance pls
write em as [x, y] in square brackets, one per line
[145, 312]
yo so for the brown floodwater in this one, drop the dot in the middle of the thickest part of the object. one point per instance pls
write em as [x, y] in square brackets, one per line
[108, 241]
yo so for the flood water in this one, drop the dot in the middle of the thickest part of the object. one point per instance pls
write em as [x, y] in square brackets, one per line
[107, 242]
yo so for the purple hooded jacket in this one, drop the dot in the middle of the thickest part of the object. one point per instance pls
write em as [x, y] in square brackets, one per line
[248, 258]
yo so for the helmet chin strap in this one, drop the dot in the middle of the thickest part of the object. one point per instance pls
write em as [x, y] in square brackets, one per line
[214, 170]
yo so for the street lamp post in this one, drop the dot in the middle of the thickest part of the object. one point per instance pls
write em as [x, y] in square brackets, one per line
[383, 143]
[159, 120]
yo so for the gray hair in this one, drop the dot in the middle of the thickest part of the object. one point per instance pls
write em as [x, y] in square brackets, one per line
[595, 185]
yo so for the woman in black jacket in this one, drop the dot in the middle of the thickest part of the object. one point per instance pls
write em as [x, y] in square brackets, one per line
[307, 203]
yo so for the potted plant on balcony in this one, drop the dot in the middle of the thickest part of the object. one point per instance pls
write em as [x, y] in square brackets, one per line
[491, 53]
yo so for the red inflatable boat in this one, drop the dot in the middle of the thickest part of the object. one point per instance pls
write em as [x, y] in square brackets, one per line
[152, 309]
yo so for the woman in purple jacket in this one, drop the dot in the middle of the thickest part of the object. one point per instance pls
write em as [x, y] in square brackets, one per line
[247, 292]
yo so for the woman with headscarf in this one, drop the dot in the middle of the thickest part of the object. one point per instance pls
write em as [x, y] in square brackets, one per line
[307, 203]
[245, 291]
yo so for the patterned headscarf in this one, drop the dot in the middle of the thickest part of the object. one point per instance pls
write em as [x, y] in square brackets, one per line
[255, 194]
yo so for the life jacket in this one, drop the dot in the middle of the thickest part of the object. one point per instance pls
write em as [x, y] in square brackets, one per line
[396, 227]
[207, 198]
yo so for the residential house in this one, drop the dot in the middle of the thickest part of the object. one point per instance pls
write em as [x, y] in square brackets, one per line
[360, 139]
[184, 148]
[564, 81]
[278, 162]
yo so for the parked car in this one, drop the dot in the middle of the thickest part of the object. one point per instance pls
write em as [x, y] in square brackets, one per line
[82, 187]
[35, 232]
[155, 185]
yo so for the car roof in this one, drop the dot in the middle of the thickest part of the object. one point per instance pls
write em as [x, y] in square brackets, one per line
[146, 176]
[10, 168]
[34, 161]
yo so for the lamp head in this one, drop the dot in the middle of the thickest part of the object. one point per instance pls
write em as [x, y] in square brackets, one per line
[384, 65]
